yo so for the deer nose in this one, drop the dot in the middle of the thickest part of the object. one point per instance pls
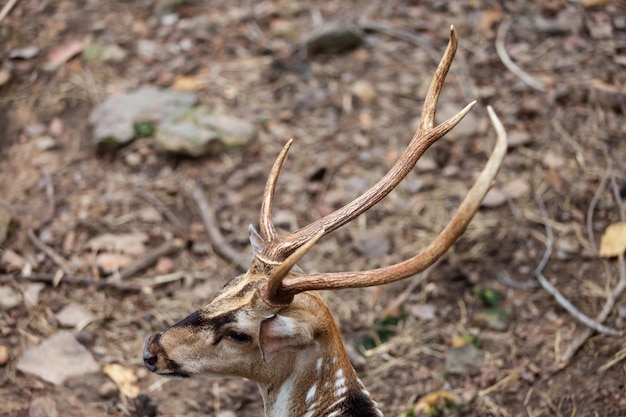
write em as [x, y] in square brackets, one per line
[150, 359]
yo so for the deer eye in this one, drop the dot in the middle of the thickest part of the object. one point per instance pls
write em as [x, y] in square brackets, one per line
[238, 337]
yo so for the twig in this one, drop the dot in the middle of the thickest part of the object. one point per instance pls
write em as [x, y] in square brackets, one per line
[218, 243]
[151, 257]
[505, 278]
[614, 187]
[564, 302]
[84, 281]
[56, 258]
[508, 63]
[592, 208]
[7, 9]
[621, 269]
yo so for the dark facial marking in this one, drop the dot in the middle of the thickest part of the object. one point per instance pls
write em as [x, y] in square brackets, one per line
[197, 319]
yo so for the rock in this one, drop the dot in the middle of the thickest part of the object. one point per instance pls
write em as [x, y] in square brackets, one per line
[4, 355]
[463, 360]
[43, 407]
[27, 52]
[9, 298]
[74, 315]
[114, 119]
[516, 188]
[518, 138]
[494, 198]
[425, 312]
[57, 358]
[11, 261]
[31, 293]
[164, 265]
[469, 127]
[200, 131]
[373, 243]
[552, 160]
[334, 38]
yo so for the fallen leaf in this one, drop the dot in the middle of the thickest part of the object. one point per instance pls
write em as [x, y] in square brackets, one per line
[438, 403]
[4, 355]
[60, 54]
[189, 83]
[5, 76]
[613, 241]
[124, 378]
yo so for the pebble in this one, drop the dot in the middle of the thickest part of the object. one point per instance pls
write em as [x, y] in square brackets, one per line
[9, 298]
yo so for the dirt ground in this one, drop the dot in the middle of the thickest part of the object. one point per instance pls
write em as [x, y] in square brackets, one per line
[350, 114]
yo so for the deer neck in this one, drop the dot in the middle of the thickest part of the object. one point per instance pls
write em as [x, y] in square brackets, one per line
[318, 382]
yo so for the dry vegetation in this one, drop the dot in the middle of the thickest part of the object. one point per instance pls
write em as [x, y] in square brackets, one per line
[346, 136]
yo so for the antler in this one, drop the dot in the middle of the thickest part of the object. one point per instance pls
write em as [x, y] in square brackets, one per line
[276, 248]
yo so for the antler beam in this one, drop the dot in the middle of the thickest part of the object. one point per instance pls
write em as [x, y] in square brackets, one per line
[277, 248]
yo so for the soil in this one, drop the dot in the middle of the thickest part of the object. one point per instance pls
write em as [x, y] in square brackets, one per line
[351, 114]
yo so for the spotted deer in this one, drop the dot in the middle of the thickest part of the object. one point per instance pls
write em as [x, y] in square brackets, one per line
[271, 326]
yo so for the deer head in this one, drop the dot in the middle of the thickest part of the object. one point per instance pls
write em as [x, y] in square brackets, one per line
[269, 325]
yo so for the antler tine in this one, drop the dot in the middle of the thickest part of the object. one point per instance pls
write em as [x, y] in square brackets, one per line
[266, 223]
[424, 137]
[421, 261]
[427, 121]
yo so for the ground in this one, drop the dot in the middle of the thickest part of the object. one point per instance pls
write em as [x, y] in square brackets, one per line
[350, 114]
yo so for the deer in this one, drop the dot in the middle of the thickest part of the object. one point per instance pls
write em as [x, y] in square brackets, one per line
[270, 324]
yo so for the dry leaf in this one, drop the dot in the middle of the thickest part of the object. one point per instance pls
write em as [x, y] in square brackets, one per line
[437, 403]
[613, 241]
[124, 378]
[60, 54]
[189, 83]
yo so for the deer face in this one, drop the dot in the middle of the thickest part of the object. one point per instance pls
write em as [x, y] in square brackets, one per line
[239, 334]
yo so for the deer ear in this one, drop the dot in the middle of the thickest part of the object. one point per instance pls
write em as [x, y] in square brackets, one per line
[256, 240]
[279, 334]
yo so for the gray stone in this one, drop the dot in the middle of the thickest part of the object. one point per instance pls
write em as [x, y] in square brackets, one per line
[334, 38]
[9, 298]
[200, 131]
[114, 119]
[57, 358]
